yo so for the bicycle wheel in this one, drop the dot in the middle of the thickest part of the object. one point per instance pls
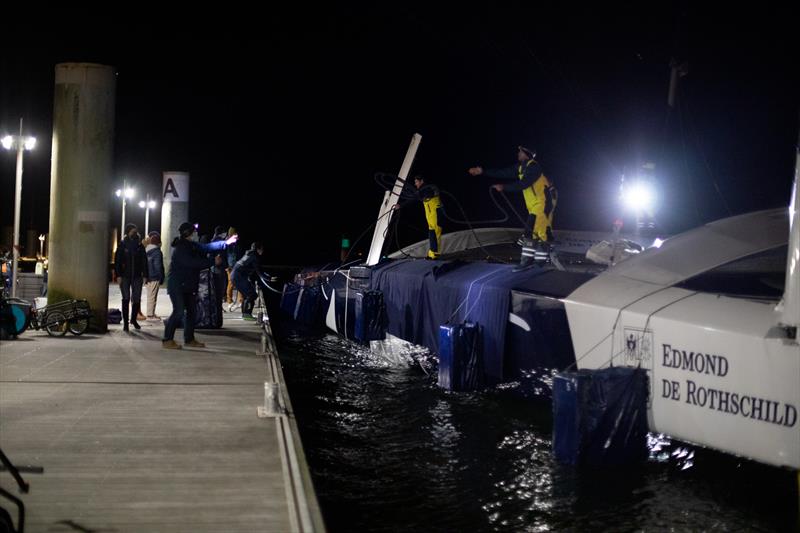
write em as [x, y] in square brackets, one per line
[78, 326]
[56, 324]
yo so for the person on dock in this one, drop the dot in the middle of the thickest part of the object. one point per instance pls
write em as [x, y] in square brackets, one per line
[233, 253]
[188, 258]
[130, 266]
[155, 269]
[218, 270]
[246, 267]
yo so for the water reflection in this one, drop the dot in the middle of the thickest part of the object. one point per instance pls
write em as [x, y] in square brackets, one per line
[390, 451]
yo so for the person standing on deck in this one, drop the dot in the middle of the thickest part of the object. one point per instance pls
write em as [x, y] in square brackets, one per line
[155, 268]
[130, 266]
[428, 194]
[539, 193]
[218, 270]
[188, 258]
[246, 267]
[233, 255]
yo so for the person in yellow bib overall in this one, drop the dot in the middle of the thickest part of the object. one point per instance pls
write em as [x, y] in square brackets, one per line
[428, 194]
[539, 193]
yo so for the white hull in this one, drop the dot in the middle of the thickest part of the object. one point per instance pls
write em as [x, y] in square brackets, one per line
[724, 372]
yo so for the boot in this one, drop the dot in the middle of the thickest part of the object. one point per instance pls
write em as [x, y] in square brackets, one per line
[542, 253]
[247, 309]
[134, 323]
[125, 314]
[531, 254]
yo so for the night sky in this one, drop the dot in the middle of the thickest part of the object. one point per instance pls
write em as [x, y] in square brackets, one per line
[283, 116]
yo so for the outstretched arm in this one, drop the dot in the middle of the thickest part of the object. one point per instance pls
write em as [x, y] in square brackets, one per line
[501, 173]
[531, 174]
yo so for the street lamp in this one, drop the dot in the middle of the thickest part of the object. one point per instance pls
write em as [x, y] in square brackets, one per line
[147, 205]
[126, 193]
[19, 143]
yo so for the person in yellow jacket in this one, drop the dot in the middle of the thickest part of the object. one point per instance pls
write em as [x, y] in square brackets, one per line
[428, 194]
[539, 193]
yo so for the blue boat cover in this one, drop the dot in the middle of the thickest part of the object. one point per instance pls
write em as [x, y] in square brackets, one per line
[422, 295]
[600, 416]
[370, 316]
[460, 361]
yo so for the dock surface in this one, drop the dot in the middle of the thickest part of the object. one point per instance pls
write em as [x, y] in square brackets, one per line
[133, 437]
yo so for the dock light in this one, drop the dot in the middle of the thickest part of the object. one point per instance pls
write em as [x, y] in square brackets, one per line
[20, 143]
[638, 197]
[126, 193]
[147, 205]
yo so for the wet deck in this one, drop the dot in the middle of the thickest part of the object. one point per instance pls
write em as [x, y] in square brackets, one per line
[136, 438]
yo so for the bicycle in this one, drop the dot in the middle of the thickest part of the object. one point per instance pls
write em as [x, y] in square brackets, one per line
[58, 318]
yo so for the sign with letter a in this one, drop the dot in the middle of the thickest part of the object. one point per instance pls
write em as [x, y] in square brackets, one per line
[176, 187]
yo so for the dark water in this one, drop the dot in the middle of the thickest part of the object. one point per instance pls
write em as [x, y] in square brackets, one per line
[389, 451]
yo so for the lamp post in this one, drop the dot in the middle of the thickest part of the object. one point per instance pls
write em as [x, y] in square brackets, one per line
[126, 193]
[147, 205]
[20, 143]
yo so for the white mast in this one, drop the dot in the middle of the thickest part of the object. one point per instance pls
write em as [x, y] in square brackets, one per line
[389, 201]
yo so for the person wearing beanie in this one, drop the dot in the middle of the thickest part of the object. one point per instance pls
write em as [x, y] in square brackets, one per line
[539, 193]
[243, 270]
[428, 194]
[155, 269]
[130, 266]
[219, 270]
[188, 258]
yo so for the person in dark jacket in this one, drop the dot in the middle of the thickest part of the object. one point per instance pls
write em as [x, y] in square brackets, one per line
[219, 270]
[155, 270]
[188, 258]
[539, 193]
[130, 265]
[242, 271]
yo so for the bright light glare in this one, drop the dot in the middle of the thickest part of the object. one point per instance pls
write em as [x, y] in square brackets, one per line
[152, 204]
[8, 142]
[128, 193]
[657, 243]
[638, 197]
[30, 143]
[142, 204]
[118, 193]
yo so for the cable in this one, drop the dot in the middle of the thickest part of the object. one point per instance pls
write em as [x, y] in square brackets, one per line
[703, 154]
[686, 165]
[505, 218]
[474, 233]
[397, 238]
[465, 221]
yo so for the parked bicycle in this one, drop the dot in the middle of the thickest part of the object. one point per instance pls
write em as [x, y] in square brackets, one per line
[58, 318]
